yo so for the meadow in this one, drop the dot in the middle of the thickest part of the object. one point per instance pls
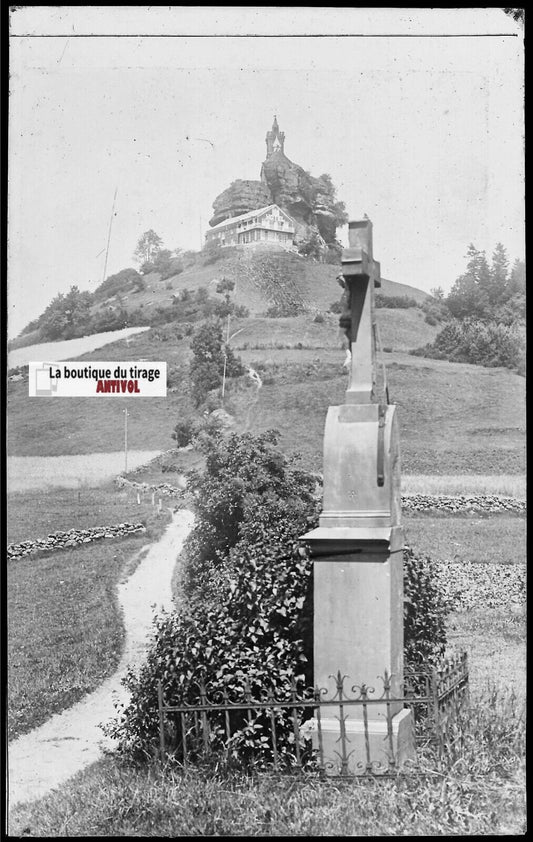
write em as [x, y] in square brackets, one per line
[65, 630]
[462, 431]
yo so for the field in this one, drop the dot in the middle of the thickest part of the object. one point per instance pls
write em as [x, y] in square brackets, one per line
[64, 627]
[454, 419]
[28, 473]
[462, 431]
[481, 792]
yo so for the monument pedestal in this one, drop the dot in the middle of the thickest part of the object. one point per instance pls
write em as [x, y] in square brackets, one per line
[358, 556]
[376, 747]
[358, 631]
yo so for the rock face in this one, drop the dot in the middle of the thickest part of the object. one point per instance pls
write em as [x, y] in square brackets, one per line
[309, 201]
[240, 197]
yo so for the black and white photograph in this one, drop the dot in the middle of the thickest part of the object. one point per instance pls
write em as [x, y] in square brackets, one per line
[265, 436]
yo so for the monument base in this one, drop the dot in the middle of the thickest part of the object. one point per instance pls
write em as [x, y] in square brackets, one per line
[368, 748]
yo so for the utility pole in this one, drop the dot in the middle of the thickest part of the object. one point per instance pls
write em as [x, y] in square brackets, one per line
[109, 233]
[125, 411]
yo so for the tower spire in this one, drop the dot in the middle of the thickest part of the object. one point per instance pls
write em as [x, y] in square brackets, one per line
[275, 140]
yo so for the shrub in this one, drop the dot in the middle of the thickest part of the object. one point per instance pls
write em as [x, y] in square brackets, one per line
[283, 311]
[184, 431]
[212, 252]
[402, 302]
[312, 246]
[210, 357]
[436, 310]
[425, 612]
[247, 580]
[123, 281]
[335, 307]
[247, 605]
[481, 343]
[319, 319]
[333, 254]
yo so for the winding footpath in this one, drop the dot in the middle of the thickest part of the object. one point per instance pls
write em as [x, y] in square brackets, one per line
[40, 761]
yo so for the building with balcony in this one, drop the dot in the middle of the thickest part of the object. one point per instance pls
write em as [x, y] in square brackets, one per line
[268, 225]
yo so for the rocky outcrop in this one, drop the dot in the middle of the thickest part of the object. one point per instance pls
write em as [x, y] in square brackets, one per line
[310, 201]
[240, 197]
[63, 540]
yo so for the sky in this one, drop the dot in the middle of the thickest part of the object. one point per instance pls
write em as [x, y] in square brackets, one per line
[417, 114]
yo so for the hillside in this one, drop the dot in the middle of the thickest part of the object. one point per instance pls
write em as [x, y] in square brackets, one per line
[266, 281]
[262, 279]
[454, 418]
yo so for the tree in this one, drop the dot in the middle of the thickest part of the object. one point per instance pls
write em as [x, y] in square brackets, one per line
[67, 315]
[122, 281]
[469, 296]
[498, 277]
[148, 247]
[210, 353]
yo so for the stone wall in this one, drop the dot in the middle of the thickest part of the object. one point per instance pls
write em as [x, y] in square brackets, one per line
[462, 503]
[165, 489]
[72, 538]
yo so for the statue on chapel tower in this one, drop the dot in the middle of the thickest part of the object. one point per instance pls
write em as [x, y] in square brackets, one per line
[275, 140]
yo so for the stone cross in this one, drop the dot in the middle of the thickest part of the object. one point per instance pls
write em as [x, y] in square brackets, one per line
[358, 545]
[361, 273]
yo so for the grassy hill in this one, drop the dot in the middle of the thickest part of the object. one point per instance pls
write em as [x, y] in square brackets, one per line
[454, 418]
[262, 279]
[276, 282]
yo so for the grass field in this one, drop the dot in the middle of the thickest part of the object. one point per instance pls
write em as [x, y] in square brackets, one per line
[506, 485]
[462, 431]
[35, 515]
[493, 539]
[454, 419]
[479, 791]
[65, 630]
[494, 638]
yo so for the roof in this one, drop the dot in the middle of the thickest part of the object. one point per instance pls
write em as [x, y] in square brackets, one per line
[249, 215]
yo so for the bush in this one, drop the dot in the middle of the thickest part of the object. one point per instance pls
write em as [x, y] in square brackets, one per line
[430, 319]
[480, 343]
[247, 580]
[184, 431]
[212, 252]
[319, 319]
[247, 599]
[210, 357]
[312, 246]
[425, 612]
[335, 307]
[283, 311]
[334, 254]
[402, 302]
[123, 281]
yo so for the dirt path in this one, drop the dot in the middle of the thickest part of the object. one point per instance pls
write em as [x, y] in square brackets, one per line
[46, 757]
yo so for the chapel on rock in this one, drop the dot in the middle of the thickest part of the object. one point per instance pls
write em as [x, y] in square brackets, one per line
[268, 225]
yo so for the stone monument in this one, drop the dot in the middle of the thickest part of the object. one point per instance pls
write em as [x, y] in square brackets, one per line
[357, 547]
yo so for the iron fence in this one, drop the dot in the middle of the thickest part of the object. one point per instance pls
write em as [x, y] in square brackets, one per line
[352, 730]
